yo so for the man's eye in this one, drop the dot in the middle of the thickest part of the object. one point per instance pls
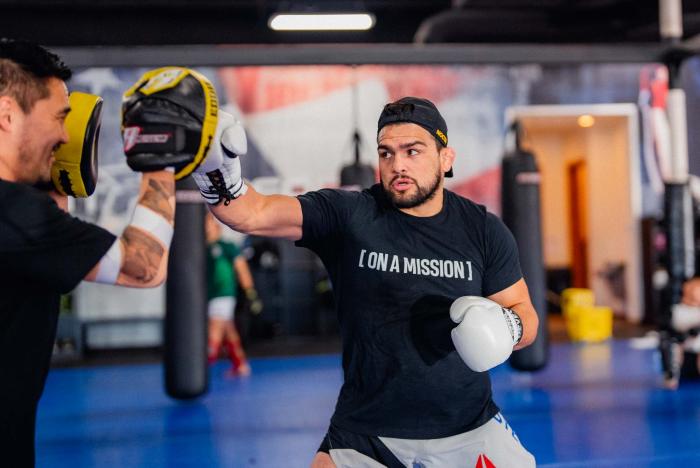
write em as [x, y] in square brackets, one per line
[384, 154]
[413, 152]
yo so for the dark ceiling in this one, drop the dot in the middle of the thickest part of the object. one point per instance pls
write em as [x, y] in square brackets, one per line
[163, 22]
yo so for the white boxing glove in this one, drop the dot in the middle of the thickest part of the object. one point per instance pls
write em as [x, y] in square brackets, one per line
[486, 332]
[685, 317]
[219, 175]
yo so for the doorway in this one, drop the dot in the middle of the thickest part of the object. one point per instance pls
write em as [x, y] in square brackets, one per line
[590, 197]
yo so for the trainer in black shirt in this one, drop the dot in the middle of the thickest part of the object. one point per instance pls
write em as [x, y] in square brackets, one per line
[44, 251]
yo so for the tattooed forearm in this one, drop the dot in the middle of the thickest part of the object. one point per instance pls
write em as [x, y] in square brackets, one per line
[142, 255]
[159, 197]
[145, 242]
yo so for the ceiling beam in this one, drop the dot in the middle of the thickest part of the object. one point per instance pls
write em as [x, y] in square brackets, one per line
[390, 54]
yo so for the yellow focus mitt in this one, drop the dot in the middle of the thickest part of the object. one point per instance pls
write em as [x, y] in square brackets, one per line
[169, 119]
[74, 171]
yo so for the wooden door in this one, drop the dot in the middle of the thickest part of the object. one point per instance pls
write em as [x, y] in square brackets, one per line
[578, 197]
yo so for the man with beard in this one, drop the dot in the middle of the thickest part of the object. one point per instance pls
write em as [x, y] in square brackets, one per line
[407, 259]
[45, 252]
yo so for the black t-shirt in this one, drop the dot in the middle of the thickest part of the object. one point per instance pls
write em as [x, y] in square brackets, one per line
[44, 252]
[394, 277]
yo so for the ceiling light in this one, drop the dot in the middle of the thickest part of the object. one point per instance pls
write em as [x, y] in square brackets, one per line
[586, 121]
[321, 22]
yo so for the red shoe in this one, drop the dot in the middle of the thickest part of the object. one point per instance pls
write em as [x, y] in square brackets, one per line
[242, 371]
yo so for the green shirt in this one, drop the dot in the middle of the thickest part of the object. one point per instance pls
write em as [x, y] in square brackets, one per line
[221, 276]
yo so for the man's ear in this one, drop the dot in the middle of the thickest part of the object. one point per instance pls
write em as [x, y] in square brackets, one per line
[7, 109]
[447, 158]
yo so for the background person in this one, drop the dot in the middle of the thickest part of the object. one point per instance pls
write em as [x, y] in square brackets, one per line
[685, 349]
[226, 268]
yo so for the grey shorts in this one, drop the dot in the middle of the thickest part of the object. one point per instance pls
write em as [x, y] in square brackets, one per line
[221, 308]
[492, 444]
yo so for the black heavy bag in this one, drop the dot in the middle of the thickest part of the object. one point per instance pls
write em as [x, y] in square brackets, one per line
[185, 334]
[357, 173]
[680, 264]
[680, 258]
[520, 203]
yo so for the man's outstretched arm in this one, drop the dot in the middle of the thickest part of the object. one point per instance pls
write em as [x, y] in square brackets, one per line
[262, 215]
[231, 200]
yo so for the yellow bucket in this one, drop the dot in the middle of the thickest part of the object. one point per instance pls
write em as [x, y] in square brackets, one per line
[589, 323]
[576, 297]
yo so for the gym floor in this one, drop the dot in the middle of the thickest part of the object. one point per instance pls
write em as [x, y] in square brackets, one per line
[594, 405]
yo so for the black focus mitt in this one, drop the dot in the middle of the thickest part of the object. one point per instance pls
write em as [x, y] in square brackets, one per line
[169, 118]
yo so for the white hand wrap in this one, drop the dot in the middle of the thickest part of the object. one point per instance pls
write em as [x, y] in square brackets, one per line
[486, 332]
[110, 265]
[154, 224]
[219, 176]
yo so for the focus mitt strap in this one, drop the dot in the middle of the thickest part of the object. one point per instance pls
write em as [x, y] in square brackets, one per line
[74, 171]
[169, 118]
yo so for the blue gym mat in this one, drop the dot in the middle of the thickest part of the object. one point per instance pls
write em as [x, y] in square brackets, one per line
[595, 405]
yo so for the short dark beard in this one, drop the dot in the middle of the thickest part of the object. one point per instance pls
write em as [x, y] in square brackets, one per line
[421, 196]
[31, 176]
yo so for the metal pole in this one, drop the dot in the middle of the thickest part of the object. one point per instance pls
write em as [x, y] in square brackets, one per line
[677, 204]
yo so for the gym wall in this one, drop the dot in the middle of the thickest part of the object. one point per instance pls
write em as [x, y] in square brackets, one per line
[300, 124]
